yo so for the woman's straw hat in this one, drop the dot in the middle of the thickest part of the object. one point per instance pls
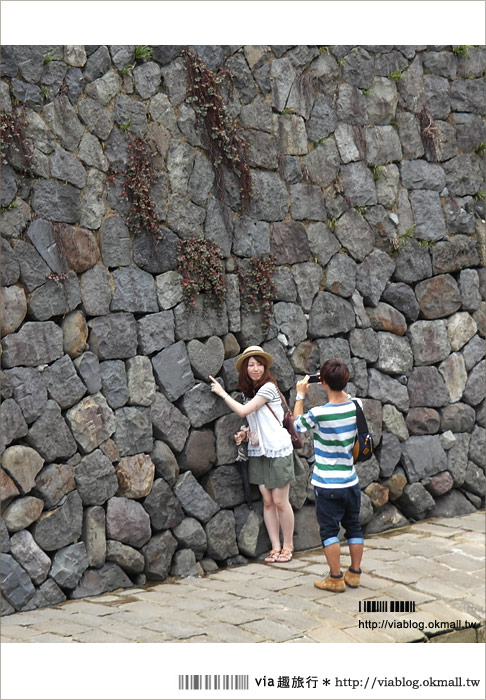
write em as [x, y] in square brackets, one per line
[254, 351]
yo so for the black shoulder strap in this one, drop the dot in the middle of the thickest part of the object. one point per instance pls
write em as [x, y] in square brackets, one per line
[361, 423]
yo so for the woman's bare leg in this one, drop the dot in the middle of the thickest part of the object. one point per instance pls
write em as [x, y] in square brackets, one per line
[270, 516]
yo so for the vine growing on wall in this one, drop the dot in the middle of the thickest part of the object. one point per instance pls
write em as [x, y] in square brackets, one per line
[257, 287]
[225, 144]
[200, 264]
[138, 178]
[13, 138]
[428, 133]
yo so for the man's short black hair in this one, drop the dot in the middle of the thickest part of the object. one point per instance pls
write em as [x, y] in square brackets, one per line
[335, 373]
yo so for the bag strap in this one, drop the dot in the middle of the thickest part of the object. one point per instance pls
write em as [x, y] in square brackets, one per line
[361, 423]
[271, 409]
[282, 398]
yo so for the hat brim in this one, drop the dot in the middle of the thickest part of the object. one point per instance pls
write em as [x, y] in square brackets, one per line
[250, 352]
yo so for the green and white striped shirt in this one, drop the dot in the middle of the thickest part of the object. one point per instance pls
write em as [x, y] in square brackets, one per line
[334, 429]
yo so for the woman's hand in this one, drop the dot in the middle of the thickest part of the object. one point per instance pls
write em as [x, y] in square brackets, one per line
[241, 436]
[302, 385]
[216, 387]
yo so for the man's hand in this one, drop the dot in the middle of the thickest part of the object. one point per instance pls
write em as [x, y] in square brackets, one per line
[302, 385]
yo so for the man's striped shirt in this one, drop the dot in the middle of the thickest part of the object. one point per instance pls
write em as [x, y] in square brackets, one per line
[334, 429]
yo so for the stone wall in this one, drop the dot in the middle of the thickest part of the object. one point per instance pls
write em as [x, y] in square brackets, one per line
[367, 169]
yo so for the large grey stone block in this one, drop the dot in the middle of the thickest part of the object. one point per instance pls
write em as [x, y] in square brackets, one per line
[34, 344]
[430, 342]
[372, 276]
[53, 483]
[133, 432]
[289, 243]
[203, 320]
[330, 315]
[23, 464]
[115, 242]
[158, 553]
[61, 526]
[127, 522]
[190, 534]
[94, 535]
[63, 382]
[426, 387]
[114, 336]
[114, 382]
[17, 588]
[269, 200]
[202, 406]
[134, 291]
[194, 499]
[95, 290]
[131, 560]
[94, 582]
[50, 435]
[69, 564]
[163, 507]
[173, 371]
[96, 479]
[12, 423]
[199, 452]
[387, 390]
[30, 556]
[438, 296]
[225, 486]
[355, 234]
[221, 535]
[423, 456]
[55, 201]
[91, 421]
[169, 424]
[155, 331]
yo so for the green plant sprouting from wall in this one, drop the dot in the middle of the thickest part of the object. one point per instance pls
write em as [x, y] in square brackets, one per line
[201, 267]
[462, 50]
[224, 142]
[257, 287]
[398, 243]
[143, 53]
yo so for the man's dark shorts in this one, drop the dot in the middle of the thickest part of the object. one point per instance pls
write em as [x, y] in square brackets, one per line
[335, 507]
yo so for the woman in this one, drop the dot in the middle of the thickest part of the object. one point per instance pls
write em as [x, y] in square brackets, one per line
[270, 451]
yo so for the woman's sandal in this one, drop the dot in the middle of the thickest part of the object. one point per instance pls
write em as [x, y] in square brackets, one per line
[273, 555]
[284, 556]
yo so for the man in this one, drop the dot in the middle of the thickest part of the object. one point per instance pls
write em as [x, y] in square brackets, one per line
[336, 485]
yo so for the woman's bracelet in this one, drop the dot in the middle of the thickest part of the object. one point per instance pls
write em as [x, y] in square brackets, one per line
[299, 397]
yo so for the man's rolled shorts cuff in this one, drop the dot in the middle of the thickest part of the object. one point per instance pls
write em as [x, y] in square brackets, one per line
[330, 540]
[356, 540]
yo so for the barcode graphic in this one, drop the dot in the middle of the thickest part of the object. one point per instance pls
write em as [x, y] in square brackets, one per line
[386, 606]
[215, 682]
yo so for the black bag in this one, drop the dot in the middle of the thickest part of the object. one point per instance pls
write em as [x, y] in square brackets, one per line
[363, 447]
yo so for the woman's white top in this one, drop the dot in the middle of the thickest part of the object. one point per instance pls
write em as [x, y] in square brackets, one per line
[273, 439]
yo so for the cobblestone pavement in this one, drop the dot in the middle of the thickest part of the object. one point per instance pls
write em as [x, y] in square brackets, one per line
[438, 565]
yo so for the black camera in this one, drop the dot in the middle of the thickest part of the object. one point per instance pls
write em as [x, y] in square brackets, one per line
[314, 378]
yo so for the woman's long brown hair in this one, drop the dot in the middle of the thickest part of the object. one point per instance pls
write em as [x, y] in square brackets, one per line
[246, 385]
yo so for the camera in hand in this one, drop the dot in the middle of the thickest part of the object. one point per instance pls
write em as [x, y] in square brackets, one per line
[314, 379]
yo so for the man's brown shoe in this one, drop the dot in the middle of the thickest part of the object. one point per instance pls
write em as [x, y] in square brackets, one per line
[331, 584]
[352, 578]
